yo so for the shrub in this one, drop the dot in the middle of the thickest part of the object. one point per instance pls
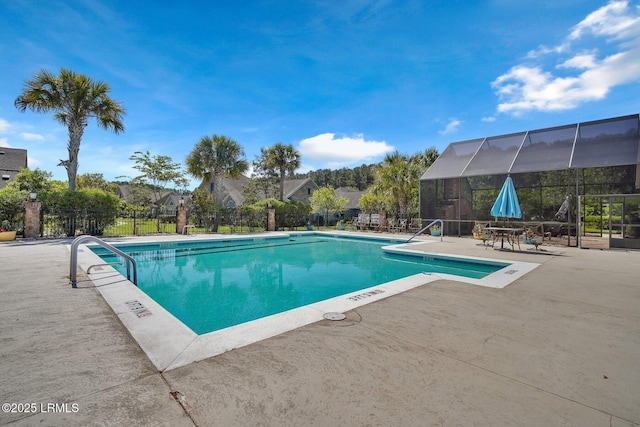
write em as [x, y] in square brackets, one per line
[288, 214]
[11, 205]
[596, 222]
[89, 211]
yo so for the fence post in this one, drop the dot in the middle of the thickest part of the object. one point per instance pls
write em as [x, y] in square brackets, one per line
[136, 228]
[32, 219]
[271, 220]
[181, 219]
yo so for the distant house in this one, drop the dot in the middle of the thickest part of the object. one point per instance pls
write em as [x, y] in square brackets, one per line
[168, 201]
[124, 192]
[353, 195]
[11, 161]
[294, 190]
[351, 210]
[130, 192]
[232, 190]
[299, 190]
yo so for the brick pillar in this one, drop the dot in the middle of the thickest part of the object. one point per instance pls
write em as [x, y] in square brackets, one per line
[271, 220]
[32, 219]
[383, 221]
[181, 219]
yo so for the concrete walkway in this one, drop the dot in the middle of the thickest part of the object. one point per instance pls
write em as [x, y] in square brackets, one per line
[560, 346]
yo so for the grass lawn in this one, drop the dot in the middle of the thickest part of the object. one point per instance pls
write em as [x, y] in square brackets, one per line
[129, 227]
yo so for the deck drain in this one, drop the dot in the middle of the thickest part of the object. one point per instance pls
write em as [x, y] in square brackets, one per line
[335, 316]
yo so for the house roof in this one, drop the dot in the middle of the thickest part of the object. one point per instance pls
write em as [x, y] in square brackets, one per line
[173, 199]
[351, 194]
[291, 186]
[234, 186]
[124, 192]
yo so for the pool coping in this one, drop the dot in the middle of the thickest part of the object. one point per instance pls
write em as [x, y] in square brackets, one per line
[170, 344]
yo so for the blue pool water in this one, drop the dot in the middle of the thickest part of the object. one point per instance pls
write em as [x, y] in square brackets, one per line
[211, 285]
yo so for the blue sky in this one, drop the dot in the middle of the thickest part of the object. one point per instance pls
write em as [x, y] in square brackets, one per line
[344, 82]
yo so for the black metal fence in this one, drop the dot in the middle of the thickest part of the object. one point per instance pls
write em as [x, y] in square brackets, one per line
[229, 220]
[56, 223]
[243, 219]
[65, 223]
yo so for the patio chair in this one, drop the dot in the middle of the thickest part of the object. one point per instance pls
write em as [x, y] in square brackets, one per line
[479, 233]
[533, 236]
[402, 225]
[362, 223]
[374, 224]
[392, 225]
[415, 225]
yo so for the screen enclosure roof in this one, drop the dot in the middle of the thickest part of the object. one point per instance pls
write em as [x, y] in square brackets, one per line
[608, 142]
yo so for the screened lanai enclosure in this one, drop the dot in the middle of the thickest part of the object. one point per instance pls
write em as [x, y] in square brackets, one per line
[580, 181]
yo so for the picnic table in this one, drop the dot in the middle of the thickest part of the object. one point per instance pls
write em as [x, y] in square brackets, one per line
[512, 235]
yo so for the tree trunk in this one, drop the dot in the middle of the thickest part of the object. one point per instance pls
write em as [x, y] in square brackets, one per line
[76, 131]
[218, 195]
[216, 222]
[282, 172]
[402, 204]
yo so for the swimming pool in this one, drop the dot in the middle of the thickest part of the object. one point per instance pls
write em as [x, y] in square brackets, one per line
[212, 285]
[170, 343]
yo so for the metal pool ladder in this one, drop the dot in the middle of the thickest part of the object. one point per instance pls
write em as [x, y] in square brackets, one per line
[425, 228]
[73, 265]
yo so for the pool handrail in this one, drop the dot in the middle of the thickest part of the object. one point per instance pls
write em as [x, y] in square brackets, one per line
[73, 264]
[425, 228]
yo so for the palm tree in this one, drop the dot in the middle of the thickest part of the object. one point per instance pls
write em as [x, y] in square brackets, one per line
[73, 98]
[398, 177]
[425, 159]
[212, 159]
[283, 159]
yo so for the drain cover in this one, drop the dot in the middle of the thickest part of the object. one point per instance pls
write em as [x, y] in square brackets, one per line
[335, 316]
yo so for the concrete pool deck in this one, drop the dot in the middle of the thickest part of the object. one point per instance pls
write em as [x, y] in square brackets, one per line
[559, 346]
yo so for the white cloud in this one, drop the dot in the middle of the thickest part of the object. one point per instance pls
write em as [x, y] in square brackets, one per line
[545, 50]
[4, 143]
[582, 62]
[489, 119]
[4, 125]
[614, 19]
[334, 152]
[451, 127]
[32, 136]
[530, 87]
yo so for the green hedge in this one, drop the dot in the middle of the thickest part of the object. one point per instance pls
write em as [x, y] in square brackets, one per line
[288, 214]
[87, 211]
[12, 205]
[597, 222]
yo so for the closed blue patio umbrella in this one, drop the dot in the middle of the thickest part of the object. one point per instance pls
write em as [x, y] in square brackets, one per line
[507, 205]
